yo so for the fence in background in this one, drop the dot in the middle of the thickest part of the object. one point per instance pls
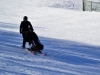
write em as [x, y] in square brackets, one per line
[91, 6]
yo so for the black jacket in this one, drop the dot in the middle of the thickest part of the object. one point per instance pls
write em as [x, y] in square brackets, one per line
[30, 36]
[25, 26]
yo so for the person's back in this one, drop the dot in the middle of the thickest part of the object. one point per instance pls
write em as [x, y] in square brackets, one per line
[31, 36]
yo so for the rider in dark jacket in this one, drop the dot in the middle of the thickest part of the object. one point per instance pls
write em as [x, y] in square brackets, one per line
[31, 35]
[33, 39]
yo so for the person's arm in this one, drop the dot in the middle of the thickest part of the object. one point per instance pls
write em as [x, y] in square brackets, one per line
[20, 30]
[31, 26]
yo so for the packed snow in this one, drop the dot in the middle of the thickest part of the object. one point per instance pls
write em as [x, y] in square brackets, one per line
[71, 38]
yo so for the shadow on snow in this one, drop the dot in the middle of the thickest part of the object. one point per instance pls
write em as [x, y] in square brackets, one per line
[56, 49]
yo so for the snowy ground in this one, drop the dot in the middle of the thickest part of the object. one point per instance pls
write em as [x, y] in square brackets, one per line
[71, 39]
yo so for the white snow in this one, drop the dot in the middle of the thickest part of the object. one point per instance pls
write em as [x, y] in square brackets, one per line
[71, 38]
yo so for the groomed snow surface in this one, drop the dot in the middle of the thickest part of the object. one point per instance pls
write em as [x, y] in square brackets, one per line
[71, 40]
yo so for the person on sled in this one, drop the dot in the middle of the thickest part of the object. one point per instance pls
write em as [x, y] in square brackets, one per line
[34, 42]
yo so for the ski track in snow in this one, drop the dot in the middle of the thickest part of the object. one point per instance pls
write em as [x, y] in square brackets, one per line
[64, 57]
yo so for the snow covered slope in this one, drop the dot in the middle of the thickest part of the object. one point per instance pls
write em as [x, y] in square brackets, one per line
[64, 57]
[71, 40]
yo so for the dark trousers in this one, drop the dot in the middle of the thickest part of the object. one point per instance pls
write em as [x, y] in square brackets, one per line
[24, 38]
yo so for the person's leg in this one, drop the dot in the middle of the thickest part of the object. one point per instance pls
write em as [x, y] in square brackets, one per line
[24, 42]
[29, 43]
